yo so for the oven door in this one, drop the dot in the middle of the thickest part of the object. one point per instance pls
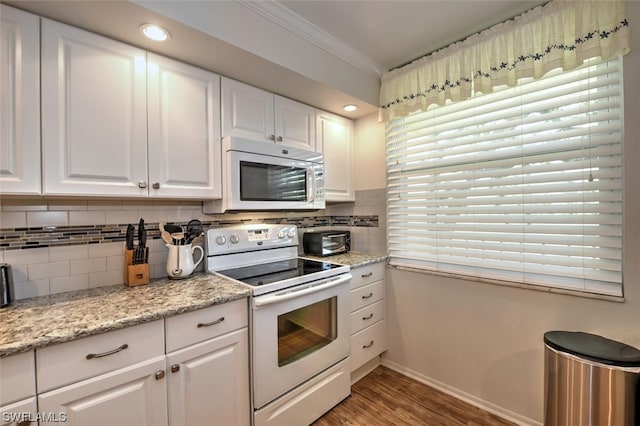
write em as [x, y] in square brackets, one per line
[258, 181]
[298, 333]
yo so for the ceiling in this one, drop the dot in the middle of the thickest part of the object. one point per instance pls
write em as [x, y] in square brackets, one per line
[394, 32]
[326, 53]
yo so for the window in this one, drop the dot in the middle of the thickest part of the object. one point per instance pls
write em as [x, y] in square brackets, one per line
[522, 185]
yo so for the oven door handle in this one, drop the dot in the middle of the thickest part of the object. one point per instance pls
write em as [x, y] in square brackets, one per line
[282, 296]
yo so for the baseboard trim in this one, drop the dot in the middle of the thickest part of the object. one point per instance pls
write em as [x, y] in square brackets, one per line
[464, 396]
[364, 369]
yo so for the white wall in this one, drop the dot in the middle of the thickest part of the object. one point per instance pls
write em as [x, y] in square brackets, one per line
[369, 153]
[484, 341]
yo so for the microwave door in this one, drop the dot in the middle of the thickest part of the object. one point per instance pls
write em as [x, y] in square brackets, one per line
[260, 182]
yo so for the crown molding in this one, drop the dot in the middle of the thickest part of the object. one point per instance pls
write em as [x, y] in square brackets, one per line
[287, 19]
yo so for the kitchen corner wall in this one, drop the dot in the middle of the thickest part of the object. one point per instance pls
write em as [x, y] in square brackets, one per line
[369, 203]
[55, 246]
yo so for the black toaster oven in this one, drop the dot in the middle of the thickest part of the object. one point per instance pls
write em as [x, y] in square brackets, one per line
[326, 243]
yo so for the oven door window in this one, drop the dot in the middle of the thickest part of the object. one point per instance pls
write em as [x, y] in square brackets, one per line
[305, 330]
[271, 182]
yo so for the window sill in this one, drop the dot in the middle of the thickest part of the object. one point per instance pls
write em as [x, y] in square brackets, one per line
[544, 289]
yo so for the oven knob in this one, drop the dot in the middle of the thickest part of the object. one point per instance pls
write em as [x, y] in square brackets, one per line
[281, 234]
[221, 239]
[234, 238]
[291, 233]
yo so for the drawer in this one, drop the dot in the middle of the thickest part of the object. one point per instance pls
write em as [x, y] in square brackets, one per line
[367, 274]
[368, 343]
[17, 377]
[193, 327]
[367, 295]
[367, 316]
[59, 365]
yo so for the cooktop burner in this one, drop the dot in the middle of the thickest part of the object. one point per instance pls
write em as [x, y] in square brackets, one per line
[266, 273]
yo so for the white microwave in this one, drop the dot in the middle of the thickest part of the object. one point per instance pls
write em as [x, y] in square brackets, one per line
[268, 176]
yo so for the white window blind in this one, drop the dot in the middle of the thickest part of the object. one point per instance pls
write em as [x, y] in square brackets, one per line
[523, 184]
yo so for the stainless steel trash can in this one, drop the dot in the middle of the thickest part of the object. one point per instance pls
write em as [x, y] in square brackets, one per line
[590, 381]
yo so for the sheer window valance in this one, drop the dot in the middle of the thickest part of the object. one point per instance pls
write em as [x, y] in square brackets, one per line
[561, 34]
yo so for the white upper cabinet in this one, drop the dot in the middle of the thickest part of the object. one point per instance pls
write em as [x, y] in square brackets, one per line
[19, 102]
[184, 130]
[120, 122]
[252, 113]
[247, 112]
[295, 124]
[335, 139]
[94, 114]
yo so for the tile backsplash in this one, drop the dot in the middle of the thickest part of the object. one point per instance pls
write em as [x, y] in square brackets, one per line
[56, 246]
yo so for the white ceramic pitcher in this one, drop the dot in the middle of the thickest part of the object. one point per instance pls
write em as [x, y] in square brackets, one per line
[180, 262]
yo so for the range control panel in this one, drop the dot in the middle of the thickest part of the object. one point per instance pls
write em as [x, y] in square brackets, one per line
[250, 237]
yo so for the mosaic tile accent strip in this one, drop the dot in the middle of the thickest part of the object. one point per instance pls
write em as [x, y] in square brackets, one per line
[53, 236]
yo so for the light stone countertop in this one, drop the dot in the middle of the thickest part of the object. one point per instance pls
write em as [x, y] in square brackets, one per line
[41, 321]
[353, 259]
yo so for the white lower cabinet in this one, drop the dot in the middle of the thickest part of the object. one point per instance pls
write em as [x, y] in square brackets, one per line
[17, 389]
[134, 395]
[19, 413]
[208, 382]
[124, 377]
[208, 366]
[368, 326]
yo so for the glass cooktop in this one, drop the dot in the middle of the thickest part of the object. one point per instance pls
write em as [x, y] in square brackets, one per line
[267, 273]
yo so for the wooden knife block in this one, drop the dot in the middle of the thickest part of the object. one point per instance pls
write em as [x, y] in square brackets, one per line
[134, 274]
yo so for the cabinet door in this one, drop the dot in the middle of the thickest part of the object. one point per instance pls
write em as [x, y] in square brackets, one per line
[130, 396]
[17, 377]
[19, 413]
[295, 124]
[19, 102]
[247, 111]
[335, 140]
[94, 114]
[208, 383]
[184, 130]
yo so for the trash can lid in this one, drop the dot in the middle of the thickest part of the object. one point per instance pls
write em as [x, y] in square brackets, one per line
[594, 347]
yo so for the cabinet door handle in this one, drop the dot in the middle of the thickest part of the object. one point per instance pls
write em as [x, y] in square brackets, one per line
[175, 368]
[272, 137]
[368, 296]
[207, 324]
[159, 374]
[115, 351]
[368, 346]
[368, 317]
[366, 275]
[156, 185]
[279, 139]
[142, 184]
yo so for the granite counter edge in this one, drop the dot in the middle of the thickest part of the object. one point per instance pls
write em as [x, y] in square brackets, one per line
[40, 342]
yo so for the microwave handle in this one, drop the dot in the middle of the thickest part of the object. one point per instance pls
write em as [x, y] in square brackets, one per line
[311, 185]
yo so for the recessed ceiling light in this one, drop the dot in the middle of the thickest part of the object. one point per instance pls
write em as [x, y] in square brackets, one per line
[154, 32]
[350, 107]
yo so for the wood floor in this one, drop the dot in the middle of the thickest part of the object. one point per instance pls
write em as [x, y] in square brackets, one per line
[386, 398]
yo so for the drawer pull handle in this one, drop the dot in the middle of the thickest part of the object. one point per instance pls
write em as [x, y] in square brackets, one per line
[115, 351]
[207, 324]
[368, 296]
[368, 346]
[368, 317]
[366, 275]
